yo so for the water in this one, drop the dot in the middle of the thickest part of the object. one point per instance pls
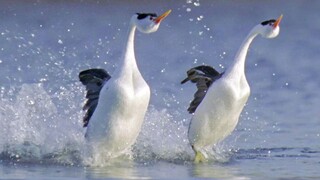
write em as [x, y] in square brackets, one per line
[45, 44]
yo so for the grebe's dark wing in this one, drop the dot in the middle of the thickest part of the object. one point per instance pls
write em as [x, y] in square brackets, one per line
[93, 79]
[203, 76]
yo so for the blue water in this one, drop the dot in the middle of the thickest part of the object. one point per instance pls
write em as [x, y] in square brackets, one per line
[45, 44]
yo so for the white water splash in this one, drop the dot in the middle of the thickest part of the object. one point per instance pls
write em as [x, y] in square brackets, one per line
[43, 128]
[33, 129]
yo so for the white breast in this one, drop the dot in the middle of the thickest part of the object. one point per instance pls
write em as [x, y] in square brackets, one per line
[217, 115]
[119, 115]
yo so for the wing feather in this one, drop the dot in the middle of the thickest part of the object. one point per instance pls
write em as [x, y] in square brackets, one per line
[93, 80]
[203, 76]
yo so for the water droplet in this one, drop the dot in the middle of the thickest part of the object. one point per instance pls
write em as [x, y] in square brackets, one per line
[31, 102]
[221, 66]
[195, 61]
[200, 18]
[196, 3]
[43, 80]
[60, 41]
[188, 9]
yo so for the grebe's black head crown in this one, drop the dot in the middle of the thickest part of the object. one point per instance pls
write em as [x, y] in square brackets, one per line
[144, 15]
[270, 22]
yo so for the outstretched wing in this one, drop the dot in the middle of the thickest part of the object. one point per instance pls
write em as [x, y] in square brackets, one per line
[203, 76]
[93, 79]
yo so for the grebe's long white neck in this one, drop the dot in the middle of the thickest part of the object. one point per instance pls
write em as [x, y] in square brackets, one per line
[238, 65]
[267, 29]
[128, 60]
